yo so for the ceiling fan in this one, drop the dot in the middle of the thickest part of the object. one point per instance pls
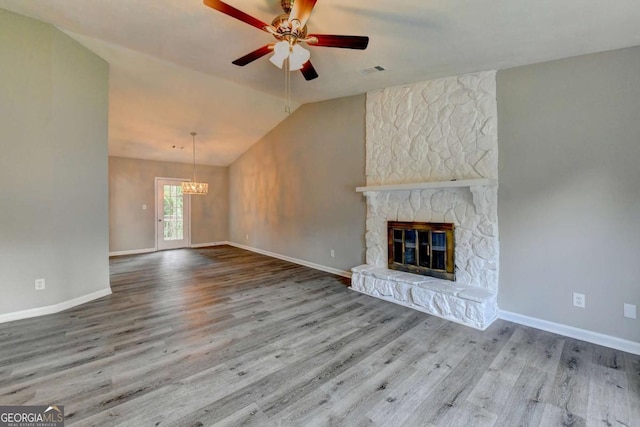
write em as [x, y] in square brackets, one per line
[289, 29]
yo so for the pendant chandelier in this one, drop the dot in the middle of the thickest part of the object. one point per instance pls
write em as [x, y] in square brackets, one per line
[194, 186]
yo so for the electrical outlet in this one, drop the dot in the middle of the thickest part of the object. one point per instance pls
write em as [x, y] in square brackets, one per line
[40, 284]
[333, 253]
[579, 300]
[247, 237]
[144, 207]
[630, 311]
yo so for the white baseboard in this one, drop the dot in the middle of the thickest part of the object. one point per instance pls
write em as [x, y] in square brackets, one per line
[133, 252]
[570, 331]
[149, 250]
[204, 245]
[331, 270]
[56, 308]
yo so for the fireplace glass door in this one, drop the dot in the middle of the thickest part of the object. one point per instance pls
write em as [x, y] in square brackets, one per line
[422, 248]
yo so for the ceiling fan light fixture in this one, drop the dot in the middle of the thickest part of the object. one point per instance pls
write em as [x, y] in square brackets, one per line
[298, 57]
[280, 53]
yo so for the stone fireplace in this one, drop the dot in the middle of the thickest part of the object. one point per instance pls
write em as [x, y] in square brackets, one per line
[432, 157]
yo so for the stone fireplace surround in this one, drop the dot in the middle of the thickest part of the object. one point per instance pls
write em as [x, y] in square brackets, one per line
[432, 155]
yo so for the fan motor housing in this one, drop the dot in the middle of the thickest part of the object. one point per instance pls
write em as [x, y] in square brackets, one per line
[282, 26]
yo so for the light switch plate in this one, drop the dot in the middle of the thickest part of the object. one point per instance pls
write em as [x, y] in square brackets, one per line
[630, 311]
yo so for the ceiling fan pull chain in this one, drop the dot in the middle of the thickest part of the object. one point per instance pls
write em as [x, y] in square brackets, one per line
[287, 87]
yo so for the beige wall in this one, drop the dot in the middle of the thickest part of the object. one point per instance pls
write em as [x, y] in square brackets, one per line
[53, 166]
[293, 193]
[569, 198]
[132, 184]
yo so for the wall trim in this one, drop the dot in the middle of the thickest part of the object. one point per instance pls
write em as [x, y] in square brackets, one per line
[132, 252]
[204, 245]
[149, 250]
[55, 308]
[309, 264]
[572, 332]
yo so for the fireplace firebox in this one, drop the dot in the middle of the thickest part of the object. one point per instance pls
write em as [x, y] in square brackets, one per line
[426, 248]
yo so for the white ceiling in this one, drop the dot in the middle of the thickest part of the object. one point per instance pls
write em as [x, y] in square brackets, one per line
[171, 69]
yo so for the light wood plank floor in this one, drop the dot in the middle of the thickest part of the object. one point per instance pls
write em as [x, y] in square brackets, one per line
[221, 336]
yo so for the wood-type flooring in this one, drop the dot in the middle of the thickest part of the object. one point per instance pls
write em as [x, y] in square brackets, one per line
[222, 336]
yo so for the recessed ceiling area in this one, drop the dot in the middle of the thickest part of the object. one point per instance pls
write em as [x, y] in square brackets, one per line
[171, 70]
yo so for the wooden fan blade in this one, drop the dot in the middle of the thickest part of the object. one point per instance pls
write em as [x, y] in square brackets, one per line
[346, 42]
[301, 11]
[235, 13]
[256, 54]
[308, 71]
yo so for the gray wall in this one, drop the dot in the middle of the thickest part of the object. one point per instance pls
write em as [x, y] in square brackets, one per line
[132, 184]
[53, 166]
[569, 198]
[293, 193]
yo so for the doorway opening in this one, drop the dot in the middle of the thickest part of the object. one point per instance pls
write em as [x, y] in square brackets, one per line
[173, 218]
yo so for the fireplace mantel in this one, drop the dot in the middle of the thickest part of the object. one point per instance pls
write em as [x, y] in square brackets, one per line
[434, 185]
[475, 186]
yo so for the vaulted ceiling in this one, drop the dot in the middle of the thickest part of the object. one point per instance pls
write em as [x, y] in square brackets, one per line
[171, 69]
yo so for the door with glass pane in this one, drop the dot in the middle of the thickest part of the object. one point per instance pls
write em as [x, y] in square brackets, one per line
[172, 209]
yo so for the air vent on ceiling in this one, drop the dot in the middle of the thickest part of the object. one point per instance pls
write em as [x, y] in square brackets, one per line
[371, 70]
